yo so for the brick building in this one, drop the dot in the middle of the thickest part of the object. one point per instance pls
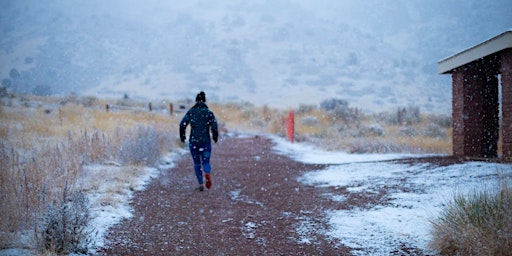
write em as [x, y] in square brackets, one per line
[477, 74]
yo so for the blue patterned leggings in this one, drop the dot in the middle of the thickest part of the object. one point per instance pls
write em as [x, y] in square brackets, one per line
[201, 156]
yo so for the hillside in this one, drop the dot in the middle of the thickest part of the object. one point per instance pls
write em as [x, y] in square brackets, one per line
[376, 55]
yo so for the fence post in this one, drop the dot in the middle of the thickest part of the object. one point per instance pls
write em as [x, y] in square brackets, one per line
[107, 107]
[170, 108]
[291, 124]
[150, 107]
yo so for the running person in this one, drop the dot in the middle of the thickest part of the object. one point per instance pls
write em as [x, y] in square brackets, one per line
[201, 121]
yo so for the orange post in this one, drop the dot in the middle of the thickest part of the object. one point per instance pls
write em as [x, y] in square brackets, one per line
[291, 124]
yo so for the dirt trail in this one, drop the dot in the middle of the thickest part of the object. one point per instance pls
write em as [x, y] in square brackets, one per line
[256, 207]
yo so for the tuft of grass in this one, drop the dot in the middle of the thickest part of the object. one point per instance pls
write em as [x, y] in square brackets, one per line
[477, 224]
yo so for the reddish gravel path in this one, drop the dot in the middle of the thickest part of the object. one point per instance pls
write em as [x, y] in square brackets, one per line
[255, 207]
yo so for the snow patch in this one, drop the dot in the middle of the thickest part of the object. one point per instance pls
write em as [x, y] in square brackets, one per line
[416, 195]
[110, 189]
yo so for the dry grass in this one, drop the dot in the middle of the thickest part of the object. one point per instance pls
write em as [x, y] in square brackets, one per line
[476, 224]
[327, 131]
[45, 143]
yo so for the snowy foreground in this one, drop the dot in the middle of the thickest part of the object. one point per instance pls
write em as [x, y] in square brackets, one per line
[379, 229]
[406, 219]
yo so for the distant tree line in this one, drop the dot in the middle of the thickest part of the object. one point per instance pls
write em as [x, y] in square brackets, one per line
[15, 80]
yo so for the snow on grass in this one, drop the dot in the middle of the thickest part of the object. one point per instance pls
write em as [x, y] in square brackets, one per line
[110, 189]
[310, 154]
[415, 195]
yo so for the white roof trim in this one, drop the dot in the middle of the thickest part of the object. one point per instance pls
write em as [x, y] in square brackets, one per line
[493, 45]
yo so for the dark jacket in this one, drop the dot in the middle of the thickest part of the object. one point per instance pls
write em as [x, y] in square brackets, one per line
[201, 120]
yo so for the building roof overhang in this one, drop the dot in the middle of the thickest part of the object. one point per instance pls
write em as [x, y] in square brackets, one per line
[491, 46]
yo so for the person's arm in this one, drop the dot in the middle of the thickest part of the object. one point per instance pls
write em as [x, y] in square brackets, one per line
[214, 127]
[183, 126]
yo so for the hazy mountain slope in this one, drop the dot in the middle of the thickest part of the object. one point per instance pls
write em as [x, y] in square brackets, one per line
[378, 55]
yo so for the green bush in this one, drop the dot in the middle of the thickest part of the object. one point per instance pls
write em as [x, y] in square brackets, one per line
[478, 224]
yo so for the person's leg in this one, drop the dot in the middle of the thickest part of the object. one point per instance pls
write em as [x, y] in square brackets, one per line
[205, 153]
[196, 156]
[205, 159]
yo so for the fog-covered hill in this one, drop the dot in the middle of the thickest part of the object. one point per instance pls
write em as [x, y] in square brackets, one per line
[377, 55]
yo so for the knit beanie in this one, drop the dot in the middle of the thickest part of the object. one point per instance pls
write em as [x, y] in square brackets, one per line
[201, 97]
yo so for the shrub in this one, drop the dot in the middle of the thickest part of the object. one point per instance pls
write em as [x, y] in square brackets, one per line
[303, 109]
[412, 115]
[3, 91]
[141, 146]
[332, 104]
[441, 120]
[478, 224]
[364, 145]
[434, 131]
[66, 224]
[408, 131]
[373, 130]
[309, 121]
[87, 101]
[40, 155]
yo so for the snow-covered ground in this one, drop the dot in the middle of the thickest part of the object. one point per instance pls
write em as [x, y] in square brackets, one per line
[111, 197]
[421, 191]
[419, 194]
[110, 188]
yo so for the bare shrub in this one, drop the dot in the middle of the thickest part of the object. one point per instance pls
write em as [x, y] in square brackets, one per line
[41, 153]
[3, 91]
[30, 180]
[434, 131]
[70, 98]
[309, 121]
[87, 101]
[387, 118]
[140, 146]
[303, 109]
[408, 116]
[477, 224]
[373, 130]
[444, 121]
[340, 110]
[412, 115]
[65, 226]
[332, 104]
[374, 146]
[408, 131]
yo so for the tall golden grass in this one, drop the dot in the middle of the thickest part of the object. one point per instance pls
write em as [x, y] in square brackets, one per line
[322, 128]
[45, 143]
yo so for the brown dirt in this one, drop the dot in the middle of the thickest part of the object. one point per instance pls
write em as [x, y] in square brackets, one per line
[255, 206]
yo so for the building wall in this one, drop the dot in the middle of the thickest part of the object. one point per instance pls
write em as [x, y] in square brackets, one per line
[475, 108]
[506, 108]
[458, 112]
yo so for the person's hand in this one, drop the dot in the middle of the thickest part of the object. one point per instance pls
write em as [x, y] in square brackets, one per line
[182, 139]
[215, 137]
